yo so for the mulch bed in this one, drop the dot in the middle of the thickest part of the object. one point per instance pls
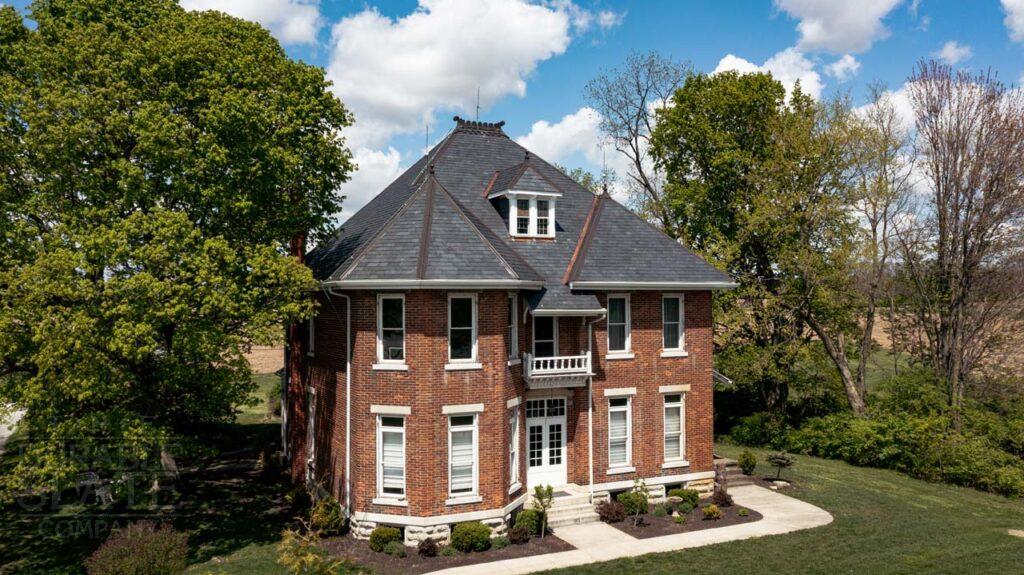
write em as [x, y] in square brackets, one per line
[657, 526]
[359, 552]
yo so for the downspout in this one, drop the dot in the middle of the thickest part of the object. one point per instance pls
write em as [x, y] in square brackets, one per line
[348, 399]
[590, 406]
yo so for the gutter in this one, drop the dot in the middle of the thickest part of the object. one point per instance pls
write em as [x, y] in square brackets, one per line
[430, 284]
[640, 286]
[348, 399]
[568, 312]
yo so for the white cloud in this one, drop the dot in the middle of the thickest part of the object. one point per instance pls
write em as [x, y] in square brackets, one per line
[844, 68]
[290, 21]
[396, 74]
[787, 66]
[900, 101]
[1014, 18]
[838, 26]
[608, 19]
[953, 52]
[377, 169]
[576, 132]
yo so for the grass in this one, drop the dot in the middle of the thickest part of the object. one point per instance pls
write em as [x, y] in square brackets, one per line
[884, 523]
[233, 514]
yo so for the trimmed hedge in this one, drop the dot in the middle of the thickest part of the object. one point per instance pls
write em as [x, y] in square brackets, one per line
[689, 496]
[530, 519]
[381, 536]
[142, 548]
[633, 502]
[471, 536]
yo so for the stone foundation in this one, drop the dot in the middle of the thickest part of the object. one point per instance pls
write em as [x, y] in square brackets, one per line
[361, 529]
[442, 532]
[703, 486]
[439, 533]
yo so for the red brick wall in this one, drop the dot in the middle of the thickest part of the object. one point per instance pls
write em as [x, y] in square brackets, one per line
[426, 387]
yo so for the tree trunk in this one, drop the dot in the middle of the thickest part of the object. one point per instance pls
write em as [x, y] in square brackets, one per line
[836, 349]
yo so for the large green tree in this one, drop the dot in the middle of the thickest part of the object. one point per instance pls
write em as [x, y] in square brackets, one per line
[155, 165]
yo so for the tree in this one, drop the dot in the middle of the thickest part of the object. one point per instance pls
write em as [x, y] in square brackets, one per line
[595, 184]
[543, 499]
[629, 99]
[963, 255]
[155, 163]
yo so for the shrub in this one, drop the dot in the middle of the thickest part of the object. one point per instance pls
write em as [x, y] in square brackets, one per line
[381, 536]
[471, 536]
[500, 542]
[686, 507]
[427, 548]
[634, 503]
[301, 554]
[449, 551]
[611, 511]
[142, 548]
[659, 510]
[680, 519]
[519, 535]
[395, 549]
[530, 519]
[298, 499]
[747, 462]
[712, 512]
[543, 499]
[761, 429]
[743, 513]
[327, 516]
[690, 496]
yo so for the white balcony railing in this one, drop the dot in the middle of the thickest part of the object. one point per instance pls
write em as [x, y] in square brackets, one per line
[556, 367]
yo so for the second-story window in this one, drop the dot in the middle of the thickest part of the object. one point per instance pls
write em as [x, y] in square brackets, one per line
[523, 217]
[532, 216]
[462, 316]
[512, 347]
[618, 324]
[543, 216]
[672, 327]
[545, 336]
[391, 328]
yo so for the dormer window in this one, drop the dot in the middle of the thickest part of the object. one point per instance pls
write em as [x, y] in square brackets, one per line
[532, 215]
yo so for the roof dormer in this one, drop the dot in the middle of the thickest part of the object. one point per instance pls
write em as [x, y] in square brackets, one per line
[528, 198]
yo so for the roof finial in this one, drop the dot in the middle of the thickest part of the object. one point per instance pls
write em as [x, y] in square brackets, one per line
[431, 169]
[527, 159]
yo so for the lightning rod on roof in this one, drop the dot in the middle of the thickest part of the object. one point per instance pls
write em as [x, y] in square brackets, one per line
[478, 103]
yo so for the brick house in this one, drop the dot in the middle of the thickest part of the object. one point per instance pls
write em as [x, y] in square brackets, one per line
[485, 325]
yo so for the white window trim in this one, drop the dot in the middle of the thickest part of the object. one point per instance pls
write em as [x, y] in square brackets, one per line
[554, 333]
[513, 214]
[626, 467]
[390, 498]
[626, 353]
[678, 460]
[513, 298]
[473, 361]
[680, 349]
[311, 435]
[311, 343]
[474, 495]
[513, 447]
[382, 362]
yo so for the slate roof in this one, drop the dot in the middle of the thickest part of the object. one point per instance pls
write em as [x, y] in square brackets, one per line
[435, 223]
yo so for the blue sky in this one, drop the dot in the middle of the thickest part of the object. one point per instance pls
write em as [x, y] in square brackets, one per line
[400, 64]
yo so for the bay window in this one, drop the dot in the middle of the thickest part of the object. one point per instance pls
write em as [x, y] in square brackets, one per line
[462, 328]
[391, 457]
[618, 324]
[391, 328]
[462, 456]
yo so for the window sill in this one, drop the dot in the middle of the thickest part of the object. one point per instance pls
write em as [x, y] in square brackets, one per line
[674, 353]
[390, 367]
[675, 464]
[462, 366]
[390, 501]
[515, 487]
[464, 500]
[310, 354]
[620, 470]
[620, 355]
[516, 361]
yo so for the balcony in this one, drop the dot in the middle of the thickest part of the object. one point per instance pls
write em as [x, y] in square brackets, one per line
[556, 371]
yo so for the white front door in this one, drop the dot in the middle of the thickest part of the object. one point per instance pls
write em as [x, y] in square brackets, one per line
[545, 442]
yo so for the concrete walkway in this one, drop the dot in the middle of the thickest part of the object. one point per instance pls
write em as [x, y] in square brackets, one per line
[596, 542]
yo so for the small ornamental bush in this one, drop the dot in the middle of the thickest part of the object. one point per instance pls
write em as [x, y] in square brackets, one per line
[743, 513]
[471, 536]
[327, 517]
[659, 510]
[519, 535]
[690, 496]
[500, 542]
[395, 549]
[611, 511]
[381, 536]
[428, 548]
[449, 551]
[300, 553]
[142, 548]
[635, 503]
[747, 462]
[680, 519]
[298, 499]
[530, 519]
[712, 512]
[686, 507]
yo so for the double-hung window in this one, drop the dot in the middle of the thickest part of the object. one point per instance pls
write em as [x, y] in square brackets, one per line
[391, 457]
[513, 445]
[620, 449]
[523, 217]
[545, 336]
[512, 347]
[311, 344]
[532, 216]
[391, 328]
[462, 318]
[675, 428]
[618, 324]
[543, 217]
[462, 456]
[673, 327]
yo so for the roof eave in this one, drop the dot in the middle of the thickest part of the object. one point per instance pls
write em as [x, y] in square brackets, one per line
[641, 286]
[433, 284]
[568, 312]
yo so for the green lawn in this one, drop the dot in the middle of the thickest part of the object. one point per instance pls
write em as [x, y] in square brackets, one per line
[884, 523]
